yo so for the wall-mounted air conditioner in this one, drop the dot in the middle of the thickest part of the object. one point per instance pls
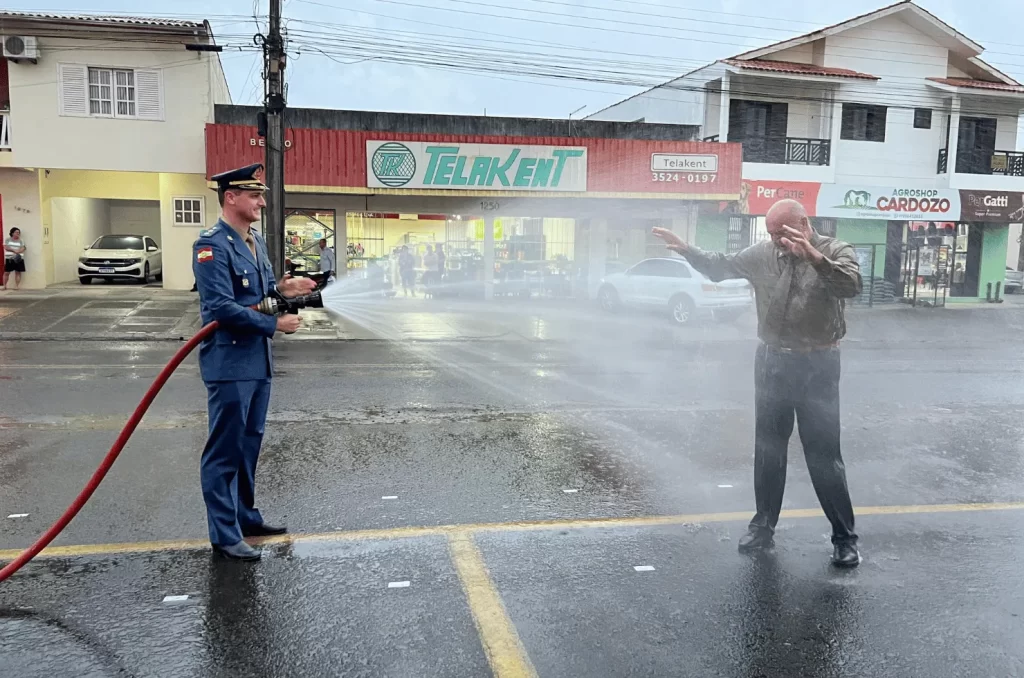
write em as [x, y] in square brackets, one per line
[18, 47]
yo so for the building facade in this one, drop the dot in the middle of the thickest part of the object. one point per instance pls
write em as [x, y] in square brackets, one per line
[888, 127]
[517, 205]
[102, 132]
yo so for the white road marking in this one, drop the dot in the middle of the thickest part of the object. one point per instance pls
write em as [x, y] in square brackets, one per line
[390, 497]
[570, 491]
[18, 515]
[724, 486]
[175, 599]
[644, 568]
[398, 584]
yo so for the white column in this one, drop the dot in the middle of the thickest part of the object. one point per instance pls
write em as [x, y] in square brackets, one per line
[837, 128]
[954, 136]
[598, 255]
[723, 111]
[488, 258]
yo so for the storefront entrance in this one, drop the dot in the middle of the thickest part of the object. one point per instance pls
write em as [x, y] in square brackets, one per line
[304, 228]
[936, 260]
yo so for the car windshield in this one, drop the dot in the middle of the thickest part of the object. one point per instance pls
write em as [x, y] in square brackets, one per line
[118, 242]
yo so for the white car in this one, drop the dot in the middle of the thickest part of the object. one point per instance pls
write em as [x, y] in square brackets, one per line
[125, 257]
[672, 285]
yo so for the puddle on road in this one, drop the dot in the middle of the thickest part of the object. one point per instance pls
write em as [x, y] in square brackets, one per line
[33, 643]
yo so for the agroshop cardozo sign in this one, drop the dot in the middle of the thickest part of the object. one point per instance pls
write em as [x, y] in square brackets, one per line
[892, 204]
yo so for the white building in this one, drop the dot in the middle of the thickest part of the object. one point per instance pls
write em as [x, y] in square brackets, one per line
[854, 120]
[102, 122]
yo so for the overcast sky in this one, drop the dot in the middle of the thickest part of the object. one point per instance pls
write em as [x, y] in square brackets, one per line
[344, 51]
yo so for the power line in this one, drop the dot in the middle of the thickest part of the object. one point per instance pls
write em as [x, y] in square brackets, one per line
[169, 65]
[432, 44]
[457, 63]
[646, 34]
[634, 12]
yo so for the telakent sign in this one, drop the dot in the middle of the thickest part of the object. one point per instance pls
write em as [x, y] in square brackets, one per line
[891, 204]
[454, 166]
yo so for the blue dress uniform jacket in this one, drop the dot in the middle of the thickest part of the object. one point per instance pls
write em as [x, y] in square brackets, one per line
[237, 365]
[229, 281]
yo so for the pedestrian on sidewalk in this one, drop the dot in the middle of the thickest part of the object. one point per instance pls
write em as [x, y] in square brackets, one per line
[328, 263]
[233, 273]
[801, 280]
[430, 262]
[407, 271]
[14, 258]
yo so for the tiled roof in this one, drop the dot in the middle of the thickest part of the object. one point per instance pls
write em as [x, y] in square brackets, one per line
[798, 69]
[86, 18]
[978, 84]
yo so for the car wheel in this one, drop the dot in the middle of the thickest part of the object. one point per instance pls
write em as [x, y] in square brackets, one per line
[84, 279]
[682, 310]
[608, 298]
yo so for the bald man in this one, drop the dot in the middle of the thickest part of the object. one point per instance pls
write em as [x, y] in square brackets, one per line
[801, 280]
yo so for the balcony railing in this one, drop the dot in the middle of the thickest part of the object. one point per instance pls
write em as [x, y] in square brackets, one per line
[713, 138]
[979, 161]
[5, 130]
[787, 150]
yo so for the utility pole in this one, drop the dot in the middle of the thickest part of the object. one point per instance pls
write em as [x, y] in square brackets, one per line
[274, 105]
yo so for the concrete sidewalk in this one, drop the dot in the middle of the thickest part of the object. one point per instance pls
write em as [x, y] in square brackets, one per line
[118, 313]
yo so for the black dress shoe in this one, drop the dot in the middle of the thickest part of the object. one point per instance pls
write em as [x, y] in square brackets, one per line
[846, 555]
[756, 540]
[263, 530]
[239, 551]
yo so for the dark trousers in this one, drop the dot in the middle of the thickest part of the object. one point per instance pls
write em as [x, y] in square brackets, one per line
[804, 387]
[238, 412]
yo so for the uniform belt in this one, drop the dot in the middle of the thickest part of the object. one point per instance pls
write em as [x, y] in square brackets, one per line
[778, 348]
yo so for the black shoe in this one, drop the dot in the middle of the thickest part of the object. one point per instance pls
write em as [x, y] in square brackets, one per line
[846, 555]
[263, 530]
[239, 551]
[755, 540]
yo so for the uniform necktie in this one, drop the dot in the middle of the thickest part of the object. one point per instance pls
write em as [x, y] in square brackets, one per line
[252, 244]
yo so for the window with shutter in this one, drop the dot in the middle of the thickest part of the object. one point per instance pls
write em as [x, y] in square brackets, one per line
[73, 90]
[149, 94]
[111, 92]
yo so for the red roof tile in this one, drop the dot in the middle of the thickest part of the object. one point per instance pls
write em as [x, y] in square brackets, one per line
[978, 84]
[798, 69]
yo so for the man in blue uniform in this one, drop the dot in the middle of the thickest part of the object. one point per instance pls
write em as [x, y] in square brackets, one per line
[233, 272]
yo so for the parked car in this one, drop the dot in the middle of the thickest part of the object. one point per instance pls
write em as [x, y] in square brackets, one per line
[121, 257]
[675, 287]
[1013, 282]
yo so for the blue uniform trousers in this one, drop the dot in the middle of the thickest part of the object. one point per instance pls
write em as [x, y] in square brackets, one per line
[238, 412]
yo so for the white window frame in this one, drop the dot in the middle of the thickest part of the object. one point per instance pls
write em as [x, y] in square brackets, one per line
[196, 209]
[126, 94]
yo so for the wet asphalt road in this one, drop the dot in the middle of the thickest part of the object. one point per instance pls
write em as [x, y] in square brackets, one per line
[617, 418]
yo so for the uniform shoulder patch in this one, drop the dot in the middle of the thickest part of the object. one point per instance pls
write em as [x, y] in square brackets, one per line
[208, 232]
[204, 254]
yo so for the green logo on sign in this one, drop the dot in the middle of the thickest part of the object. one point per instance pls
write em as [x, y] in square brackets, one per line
[394, 164]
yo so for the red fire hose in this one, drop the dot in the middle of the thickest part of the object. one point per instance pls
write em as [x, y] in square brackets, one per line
[108, 461]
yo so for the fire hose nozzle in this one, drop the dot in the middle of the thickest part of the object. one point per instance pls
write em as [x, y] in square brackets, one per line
[277, 304]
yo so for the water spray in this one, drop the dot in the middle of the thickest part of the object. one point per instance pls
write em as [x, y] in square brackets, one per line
[275, 304]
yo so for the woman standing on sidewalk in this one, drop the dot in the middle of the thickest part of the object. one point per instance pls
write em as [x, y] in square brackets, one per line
[14, 260]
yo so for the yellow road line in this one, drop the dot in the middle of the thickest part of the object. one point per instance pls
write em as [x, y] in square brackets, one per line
[520, 526]
[504, 650]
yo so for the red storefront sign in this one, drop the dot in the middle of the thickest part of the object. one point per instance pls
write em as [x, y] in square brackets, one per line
[335, 161]
[757, 196]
